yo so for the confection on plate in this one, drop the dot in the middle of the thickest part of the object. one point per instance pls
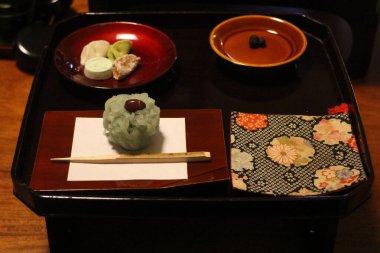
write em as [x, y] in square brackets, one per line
[124, 65]
[98, 68]
[102, 60]
[131, 120]
[96, 48]
[119, 49]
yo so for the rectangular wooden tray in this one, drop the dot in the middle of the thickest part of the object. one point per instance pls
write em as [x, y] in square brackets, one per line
[198, 80]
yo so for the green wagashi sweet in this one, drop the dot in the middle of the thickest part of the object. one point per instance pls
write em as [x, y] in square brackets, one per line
[131, 120]
[118, 49]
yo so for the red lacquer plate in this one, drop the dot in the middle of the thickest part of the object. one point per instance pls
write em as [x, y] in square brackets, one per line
[156, 49]
[284, 42]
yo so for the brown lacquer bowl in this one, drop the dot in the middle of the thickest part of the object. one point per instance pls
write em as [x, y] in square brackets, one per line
[283, 42]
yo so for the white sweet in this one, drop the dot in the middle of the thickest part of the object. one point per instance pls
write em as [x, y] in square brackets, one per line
[96, 48]
[98, 68]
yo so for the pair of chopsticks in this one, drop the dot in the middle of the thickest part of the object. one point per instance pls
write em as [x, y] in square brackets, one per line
[140, 158]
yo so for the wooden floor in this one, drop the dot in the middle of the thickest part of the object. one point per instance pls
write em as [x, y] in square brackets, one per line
[22, 231]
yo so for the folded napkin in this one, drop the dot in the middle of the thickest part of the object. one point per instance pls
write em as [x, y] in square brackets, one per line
[293, 154]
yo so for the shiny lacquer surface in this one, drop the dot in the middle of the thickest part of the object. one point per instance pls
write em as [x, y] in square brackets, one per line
[58, 127]
[156, 49]
[284, 42]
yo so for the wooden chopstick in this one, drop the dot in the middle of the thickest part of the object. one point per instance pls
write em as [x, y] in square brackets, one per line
[140, 158]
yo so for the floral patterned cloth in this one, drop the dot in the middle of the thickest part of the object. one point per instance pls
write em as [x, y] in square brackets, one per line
[293, 154]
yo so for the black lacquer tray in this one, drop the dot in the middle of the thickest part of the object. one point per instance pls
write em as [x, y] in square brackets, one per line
[199, 79]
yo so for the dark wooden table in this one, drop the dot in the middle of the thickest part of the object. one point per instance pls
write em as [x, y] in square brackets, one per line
[23, 231]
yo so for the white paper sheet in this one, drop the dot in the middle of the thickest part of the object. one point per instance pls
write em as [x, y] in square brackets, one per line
[89, 140]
